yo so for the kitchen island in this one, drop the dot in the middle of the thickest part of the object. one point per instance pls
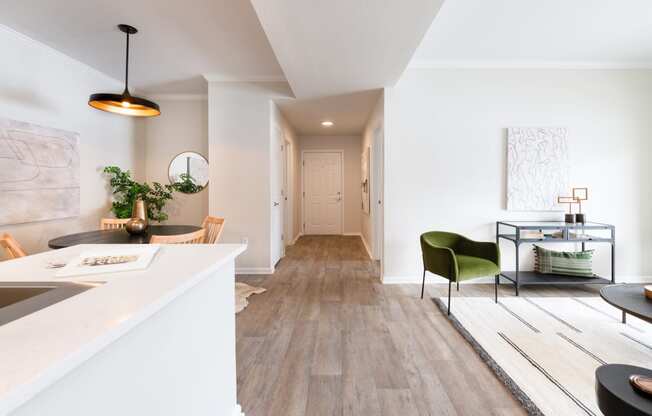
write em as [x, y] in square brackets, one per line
[155, 342]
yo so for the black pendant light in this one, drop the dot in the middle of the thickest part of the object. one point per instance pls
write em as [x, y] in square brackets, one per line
[125, 103]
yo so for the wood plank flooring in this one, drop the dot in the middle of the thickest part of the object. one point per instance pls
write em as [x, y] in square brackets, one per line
[327, 338]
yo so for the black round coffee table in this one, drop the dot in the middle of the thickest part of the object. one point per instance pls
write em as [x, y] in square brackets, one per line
[629, 298]
[616, 396]
[119, 236]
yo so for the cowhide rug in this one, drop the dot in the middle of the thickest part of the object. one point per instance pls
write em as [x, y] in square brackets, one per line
[242, 292]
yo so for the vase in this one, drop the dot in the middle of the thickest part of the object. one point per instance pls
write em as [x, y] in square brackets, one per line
[138, 222]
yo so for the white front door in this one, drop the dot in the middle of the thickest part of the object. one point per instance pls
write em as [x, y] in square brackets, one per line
[322, 185]
[276, 188]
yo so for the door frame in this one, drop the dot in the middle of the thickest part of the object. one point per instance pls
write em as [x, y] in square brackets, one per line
[303, 186]
[288, 198]
[378, 192]
[276, 128]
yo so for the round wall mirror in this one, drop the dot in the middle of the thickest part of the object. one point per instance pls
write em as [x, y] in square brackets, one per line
[188, 172]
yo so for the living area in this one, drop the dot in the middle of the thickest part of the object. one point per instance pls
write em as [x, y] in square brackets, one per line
[484, 247]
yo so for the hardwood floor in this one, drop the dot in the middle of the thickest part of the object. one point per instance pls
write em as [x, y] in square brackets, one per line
[327, 338]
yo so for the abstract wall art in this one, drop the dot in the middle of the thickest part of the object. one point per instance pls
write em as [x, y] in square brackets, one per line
[537, 168]
[39, 173]
[366, 194]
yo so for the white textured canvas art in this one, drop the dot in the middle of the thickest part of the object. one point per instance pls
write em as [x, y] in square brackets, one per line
[39, 173]
[537, 168]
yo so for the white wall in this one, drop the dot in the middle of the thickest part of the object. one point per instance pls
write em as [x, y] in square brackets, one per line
[40, 85]
[181, 127]
[351, 170]
[376, 120]
[446, 155]
[239, 137]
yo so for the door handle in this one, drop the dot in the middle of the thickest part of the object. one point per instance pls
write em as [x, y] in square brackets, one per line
[276, 204]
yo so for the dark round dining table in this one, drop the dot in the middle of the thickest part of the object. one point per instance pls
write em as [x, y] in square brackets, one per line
[119, 236]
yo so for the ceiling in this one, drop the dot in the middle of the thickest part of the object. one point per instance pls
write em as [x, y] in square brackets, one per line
[539, 33]
[348, 112]
[177, 43]
[341, 46]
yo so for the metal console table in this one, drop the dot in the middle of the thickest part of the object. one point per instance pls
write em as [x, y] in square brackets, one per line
[566, 233]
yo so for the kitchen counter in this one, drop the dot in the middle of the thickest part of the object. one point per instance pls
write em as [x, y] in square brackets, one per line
[40, 352]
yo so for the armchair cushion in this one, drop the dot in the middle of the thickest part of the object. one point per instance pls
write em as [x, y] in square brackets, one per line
[471, 267]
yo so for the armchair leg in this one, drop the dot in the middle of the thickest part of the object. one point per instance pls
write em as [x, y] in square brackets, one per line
[423, 284]
[449, 296]
[496, 288]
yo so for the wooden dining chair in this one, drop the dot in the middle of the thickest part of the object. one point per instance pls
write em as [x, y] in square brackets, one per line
[113, 223]
[196, 237]
[11, 247]
[213, 227]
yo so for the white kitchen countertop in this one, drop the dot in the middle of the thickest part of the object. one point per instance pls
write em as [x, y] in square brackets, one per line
[40, 348]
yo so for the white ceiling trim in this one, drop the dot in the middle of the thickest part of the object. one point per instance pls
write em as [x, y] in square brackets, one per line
[257, 78]
[522, 64]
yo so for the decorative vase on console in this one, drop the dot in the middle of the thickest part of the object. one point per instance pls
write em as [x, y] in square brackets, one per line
[138, 222]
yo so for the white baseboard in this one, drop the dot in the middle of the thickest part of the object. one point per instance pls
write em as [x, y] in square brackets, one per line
[237, 411]
[254, 270]
[296, 239]
[364, 242]
[430, 279]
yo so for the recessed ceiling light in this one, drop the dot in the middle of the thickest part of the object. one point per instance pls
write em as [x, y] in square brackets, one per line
[327, 123]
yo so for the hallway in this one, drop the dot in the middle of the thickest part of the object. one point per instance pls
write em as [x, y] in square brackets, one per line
[328, 339]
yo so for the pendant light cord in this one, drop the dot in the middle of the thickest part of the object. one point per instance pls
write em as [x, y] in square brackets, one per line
[127, 67]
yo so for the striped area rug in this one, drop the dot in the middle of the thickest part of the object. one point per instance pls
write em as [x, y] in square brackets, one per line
[546, 350]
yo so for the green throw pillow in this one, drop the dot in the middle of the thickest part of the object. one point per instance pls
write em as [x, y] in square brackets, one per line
[578, 263]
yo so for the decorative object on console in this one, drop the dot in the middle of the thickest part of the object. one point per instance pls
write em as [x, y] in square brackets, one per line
[39, 173]
[563, 263]
[125, 103]
[569, 217]
[537, 168]
[188, 172]
[126, 191]
[138, 222]
[580, 194]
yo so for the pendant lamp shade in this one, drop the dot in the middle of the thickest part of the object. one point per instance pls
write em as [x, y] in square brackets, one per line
[125, 103]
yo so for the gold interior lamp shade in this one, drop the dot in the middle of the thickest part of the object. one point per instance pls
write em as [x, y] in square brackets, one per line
[125, 103]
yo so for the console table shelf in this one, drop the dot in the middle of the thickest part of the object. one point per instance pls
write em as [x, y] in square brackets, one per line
[564, 233]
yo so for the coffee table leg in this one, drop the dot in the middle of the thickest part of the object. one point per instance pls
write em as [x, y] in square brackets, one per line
[624, 317]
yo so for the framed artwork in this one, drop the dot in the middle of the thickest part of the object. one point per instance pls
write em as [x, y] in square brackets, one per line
[537, 168]
[39, 173]
[366, 194]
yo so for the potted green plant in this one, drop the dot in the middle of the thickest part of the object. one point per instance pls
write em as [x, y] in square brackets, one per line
[126, 191]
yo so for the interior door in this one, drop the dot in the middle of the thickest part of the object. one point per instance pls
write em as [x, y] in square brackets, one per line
[276, 188]
[287, 202]
[322, 182]
[377, 181]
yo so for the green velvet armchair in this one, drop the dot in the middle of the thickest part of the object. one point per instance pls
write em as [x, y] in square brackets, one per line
[458, 258]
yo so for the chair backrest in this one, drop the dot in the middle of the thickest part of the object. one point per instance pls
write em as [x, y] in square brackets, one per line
[113, 223]
[442, 239]
[11, 246]
[196, 237]
[213, 227]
